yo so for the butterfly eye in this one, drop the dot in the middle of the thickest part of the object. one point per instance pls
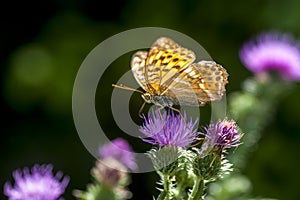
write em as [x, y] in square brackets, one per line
[147, 97]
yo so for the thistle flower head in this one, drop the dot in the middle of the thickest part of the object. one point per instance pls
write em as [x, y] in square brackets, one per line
[273, 52]
[168, 129]
[109, 172]
[219, 136]
[38, 184]
[120, 150]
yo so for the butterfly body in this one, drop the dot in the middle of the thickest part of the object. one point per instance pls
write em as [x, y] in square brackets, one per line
[170, 77]
[159, 100]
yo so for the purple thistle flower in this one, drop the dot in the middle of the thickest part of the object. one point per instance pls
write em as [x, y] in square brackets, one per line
[219, 136]
[168, 129]
[38, 184]
[120, 150]
[274, 52]
[110, 172]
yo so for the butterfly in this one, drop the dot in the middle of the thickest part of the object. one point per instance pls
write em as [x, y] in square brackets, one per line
[170, 77]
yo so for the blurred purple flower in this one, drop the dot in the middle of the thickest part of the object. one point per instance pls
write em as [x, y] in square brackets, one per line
[272, 51]
[37, 184]
[220, 135]
[110, 172]
[120, 150]
[168, 129]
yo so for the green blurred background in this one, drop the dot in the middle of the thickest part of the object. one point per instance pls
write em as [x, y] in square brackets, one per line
[44, 42]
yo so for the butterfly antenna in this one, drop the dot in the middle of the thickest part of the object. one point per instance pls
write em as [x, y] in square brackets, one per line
[121, 86]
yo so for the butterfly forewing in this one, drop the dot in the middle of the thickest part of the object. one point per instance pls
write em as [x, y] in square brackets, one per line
[164, 62]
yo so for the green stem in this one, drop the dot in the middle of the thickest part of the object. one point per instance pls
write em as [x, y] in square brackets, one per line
[200, 191]
[197, 190]
[166, 194]
[180, 191]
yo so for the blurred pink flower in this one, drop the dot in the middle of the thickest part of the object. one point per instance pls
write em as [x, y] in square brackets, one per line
[120, 150]
[273, 52]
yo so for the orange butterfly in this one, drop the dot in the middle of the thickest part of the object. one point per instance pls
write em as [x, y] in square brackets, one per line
[169, 76]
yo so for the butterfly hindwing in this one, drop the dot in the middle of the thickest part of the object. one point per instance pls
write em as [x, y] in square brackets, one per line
[199, 83]
[138, 62]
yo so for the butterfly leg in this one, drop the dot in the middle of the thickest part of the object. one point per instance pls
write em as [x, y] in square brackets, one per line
[161, 117]
[141, 110]
[214, 159]
[159, 111]
[198, 142]
[176, 110]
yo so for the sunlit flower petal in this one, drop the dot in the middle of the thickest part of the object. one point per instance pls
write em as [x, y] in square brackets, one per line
[168, 129]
